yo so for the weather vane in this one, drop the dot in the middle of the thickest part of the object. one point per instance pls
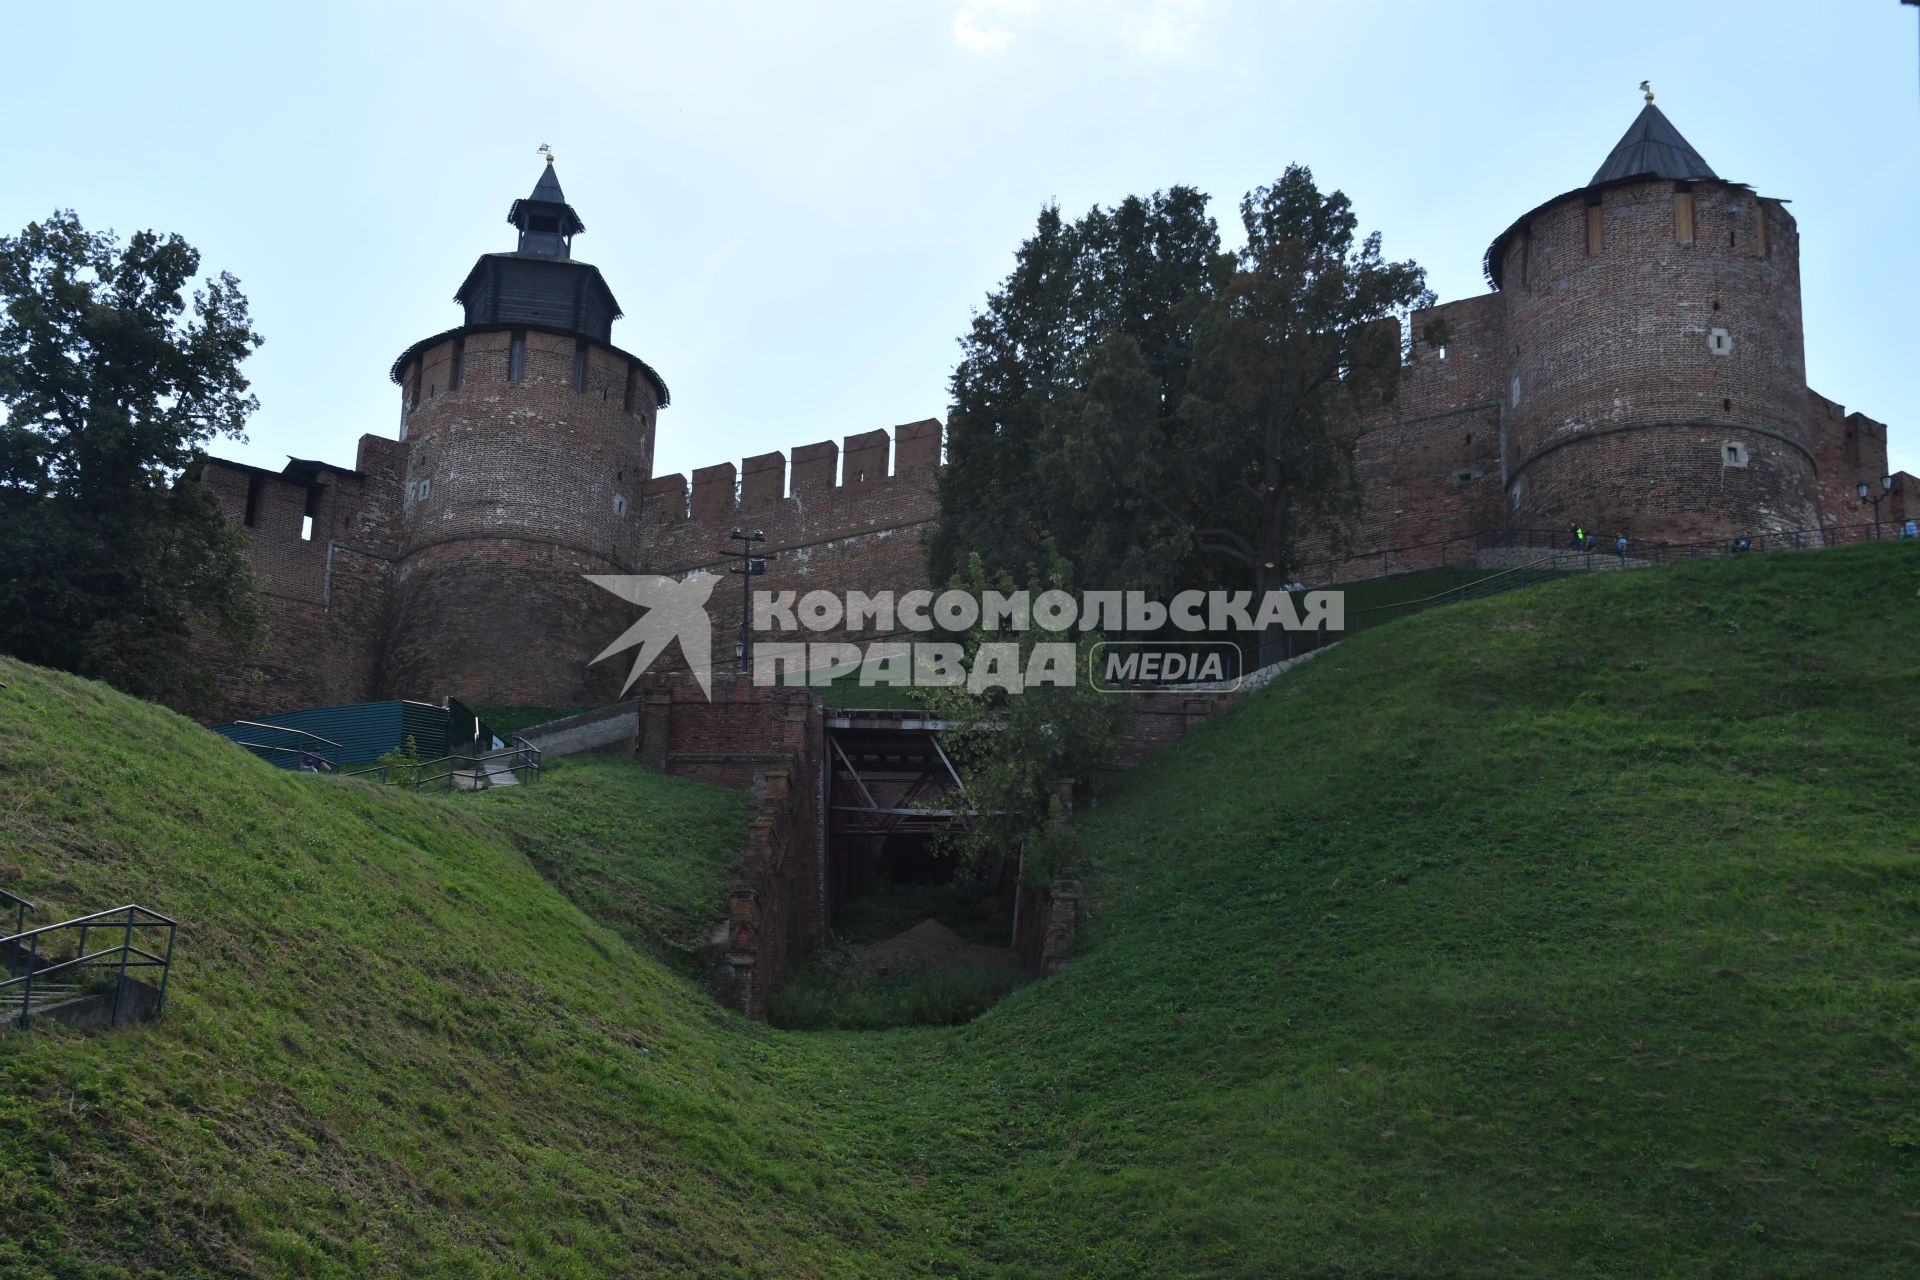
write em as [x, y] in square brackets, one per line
[547, 151]
[1645, 88]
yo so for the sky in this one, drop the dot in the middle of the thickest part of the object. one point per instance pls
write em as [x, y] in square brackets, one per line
[800, 205]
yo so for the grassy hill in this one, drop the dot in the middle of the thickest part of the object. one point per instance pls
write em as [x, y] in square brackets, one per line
[1575, 931]
[391, 1046]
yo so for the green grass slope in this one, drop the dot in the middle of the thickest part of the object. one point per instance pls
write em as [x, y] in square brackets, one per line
[1571, 932]
[645, 854]
[391, 1047]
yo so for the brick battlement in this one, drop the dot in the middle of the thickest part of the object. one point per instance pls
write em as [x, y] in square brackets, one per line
[1639, 368]
[844, 522]
[823, 474]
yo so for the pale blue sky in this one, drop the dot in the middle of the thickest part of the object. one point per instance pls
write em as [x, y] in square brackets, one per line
[798, 204]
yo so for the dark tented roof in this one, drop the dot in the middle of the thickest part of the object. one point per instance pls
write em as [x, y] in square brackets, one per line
[1652, 147]
[547, 192]
[1650, 150]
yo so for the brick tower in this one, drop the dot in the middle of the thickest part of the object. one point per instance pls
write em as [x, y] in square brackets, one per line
[1656, 372]
[528, 438]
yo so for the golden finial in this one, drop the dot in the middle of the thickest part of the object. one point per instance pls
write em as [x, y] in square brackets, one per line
[1645, 88]
[547, 151]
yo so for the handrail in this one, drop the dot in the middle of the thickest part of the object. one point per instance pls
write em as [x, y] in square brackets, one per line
[20, 908]
[124, 918]
[42, 971]
[292, 751]
[1463, 587]
[281, 728]
[1438, 551]
[157, 919]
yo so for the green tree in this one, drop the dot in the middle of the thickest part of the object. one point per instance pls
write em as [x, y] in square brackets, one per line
[108, 565]
[1075, 369]
[1164, 414]
[1015, 747]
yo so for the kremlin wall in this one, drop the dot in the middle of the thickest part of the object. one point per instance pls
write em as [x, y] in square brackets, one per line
[1638, 366]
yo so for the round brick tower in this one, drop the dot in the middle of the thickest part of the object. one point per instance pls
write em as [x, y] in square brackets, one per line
[1656, 370]
[529, 437]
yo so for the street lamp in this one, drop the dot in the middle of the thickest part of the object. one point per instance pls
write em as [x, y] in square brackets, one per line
[749, 568]
[1867, 495]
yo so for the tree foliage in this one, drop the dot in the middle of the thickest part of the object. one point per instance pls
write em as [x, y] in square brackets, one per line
[1166, 414]
[1015, 748]
[1070, 375]
[111, 385]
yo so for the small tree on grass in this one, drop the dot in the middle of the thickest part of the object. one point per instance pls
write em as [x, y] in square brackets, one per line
[1015, 747]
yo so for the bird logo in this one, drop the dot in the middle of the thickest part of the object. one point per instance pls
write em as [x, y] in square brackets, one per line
[676, 610]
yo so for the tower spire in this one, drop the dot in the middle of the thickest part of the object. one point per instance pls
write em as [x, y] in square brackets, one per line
[1652, 147]
[547, 222]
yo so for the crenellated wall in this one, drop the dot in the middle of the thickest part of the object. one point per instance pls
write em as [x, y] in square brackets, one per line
[326, 585]
[1639, 369]
[840, 519]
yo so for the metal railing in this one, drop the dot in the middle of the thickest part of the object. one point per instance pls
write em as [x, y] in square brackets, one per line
[266, 750]
[1492, 585]
[25, 948]
[9, 955]
[1462, 548]
[522, 761]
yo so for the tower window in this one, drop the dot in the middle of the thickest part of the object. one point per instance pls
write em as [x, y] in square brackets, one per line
[307, 517]
[454, 368]
[619, 504]
[253, 501]
[1733, 454]
[1596, 232]
[1719, 342]
[517, 356]
[1682, 211]
[580, 364]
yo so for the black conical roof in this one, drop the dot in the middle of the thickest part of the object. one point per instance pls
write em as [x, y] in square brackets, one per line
[548, 188]
[1652, 147]
[547, 192]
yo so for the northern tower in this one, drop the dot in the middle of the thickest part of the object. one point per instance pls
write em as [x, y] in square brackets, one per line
[1656, 369]
[529, 438]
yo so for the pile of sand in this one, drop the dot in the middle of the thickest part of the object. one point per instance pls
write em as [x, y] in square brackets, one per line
[931, 944]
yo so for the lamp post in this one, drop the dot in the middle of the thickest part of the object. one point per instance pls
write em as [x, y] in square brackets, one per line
[1866, 493]
[749, 568]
